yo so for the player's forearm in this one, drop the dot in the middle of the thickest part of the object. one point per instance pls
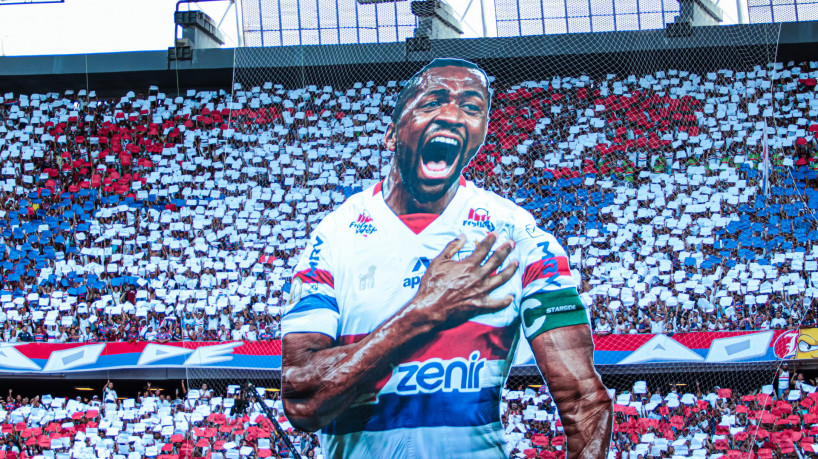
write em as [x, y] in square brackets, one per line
[319, 384]
[565, 357]
[587, 418]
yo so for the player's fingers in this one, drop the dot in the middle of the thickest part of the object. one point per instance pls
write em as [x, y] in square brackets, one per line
[502, 277]
[497, 303]
[453, 247]
[497, 258]
[482, 248]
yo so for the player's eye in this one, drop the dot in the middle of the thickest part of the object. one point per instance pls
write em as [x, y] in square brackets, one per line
[471, 108]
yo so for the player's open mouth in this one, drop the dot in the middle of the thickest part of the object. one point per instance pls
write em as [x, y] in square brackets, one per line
[438, 156]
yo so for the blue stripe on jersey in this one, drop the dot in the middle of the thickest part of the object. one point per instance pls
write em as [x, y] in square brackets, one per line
[437, 409]
[315, 301]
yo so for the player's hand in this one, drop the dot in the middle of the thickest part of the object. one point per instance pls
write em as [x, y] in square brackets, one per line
[456, 291]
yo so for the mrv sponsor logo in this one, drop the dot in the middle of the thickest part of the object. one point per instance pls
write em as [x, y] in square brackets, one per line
[314, 255]
[479, 218]
[435, 375]
[363, 225]
[417, 273]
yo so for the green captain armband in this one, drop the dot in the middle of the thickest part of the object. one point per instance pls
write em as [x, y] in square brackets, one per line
[545, 311]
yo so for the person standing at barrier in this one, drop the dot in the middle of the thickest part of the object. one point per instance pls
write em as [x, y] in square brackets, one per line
[407, 303]
[108, 393]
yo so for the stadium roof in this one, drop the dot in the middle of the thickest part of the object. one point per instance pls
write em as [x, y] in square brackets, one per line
[549, 54]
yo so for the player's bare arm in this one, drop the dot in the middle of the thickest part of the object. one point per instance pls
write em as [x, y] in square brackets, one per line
[565, 357]
[321, 379]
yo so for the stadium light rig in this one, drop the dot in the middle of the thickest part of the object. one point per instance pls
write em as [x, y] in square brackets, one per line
[198, 31]
[436, 19]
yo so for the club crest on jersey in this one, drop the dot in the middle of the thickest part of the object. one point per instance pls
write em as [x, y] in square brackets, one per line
[363, 225]
[435, 375]
[479, 218]
[421, 265]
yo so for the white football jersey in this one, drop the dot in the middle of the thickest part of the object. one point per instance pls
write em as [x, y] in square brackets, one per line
[363, 264]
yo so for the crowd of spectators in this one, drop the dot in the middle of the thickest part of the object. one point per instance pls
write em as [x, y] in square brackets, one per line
[189, 423]
[155, 217]
[713, 422]
[674, 422]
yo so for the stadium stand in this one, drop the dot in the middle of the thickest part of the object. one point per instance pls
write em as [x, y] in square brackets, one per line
[197, 424]
[649, 422]
[162, 218]
[159, 218]
[713, 422]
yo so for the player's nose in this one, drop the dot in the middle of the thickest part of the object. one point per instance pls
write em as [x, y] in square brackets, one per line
[450, 113]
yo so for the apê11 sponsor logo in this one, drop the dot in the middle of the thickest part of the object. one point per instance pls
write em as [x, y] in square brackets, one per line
[479, 218]
[417, 273]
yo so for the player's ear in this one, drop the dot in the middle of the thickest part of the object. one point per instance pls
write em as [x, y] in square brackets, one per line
[389, 139]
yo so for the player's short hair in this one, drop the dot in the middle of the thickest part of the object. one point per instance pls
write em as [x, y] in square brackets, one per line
[411, 89]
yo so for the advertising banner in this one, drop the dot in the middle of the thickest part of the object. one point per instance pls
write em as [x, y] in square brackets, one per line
[703, 347]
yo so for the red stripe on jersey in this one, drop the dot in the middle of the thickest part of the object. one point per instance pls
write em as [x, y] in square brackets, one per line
[316, 276]
[343, 340]
[544, 269]
[493, 343]
[418, 222]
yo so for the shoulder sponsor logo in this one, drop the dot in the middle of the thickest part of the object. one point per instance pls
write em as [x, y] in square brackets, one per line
[363, 225]
[545, 252]
[479, 218]
[550, 267]
[314, 255]
[435, 375]
[421, 265]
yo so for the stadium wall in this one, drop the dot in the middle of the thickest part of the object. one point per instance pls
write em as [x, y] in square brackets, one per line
[614, 354]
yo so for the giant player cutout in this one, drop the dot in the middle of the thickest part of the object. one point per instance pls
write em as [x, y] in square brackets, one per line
[407, 303]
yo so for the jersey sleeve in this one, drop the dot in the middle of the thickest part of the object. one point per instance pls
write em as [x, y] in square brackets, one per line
[312, 306]
[549, 296]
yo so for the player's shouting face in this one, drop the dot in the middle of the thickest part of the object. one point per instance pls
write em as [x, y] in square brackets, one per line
[437, 131]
